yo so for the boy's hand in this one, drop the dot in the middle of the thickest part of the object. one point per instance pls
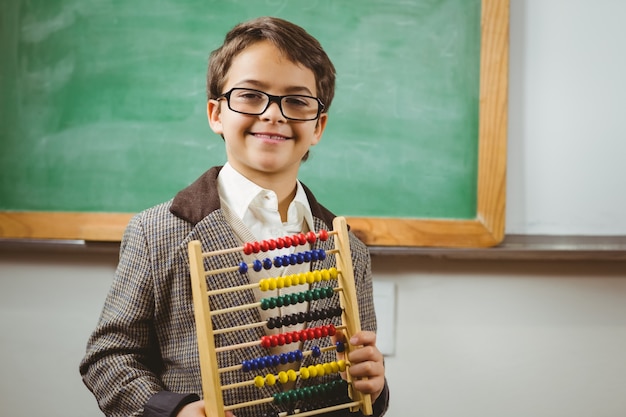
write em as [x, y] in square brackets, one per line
[196, 409]
[366, 361]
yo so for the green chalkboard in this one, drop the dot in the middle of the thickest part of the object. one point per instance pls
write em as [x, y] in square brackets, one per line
[103, 103]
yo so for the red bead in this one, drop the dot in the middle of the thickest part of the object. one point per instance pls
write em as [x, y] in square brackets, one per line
[331, 330]
[301, 238]
[274, 340]
[324, 331]
[287, 241]
[280, 243]
[323, 235]
[256, 247]
[272, 244]
[311, 334]
[295, 336]
[303, 335]
[318, 332]
[265, 246]
[310, 237]
[288, 338]
[247, 248]
[281, 339]
[266, 342]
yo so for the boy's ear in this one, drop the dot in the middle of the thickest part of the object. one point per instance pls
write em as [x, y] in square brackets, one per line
[214, 116]
[320, 125]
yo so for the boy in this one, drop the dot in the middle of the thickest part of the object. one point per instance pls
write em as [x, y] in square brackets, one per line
[269, 89]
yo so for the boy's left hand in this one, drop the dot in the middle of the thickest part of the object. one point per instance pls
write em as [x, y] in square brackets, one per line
[367, 362]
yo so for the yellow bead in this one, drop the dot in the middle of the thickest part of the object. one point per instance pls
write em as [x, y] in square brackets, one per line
[317, 276]
[334, 366]
[328, 368]
[325, 274]
[263, 285]
[304, 373]
[280, 282]
[272, 284]
[259, 381]
[270, 379]
[302, 278]
[334, 273]
[310, 278]
[312, 371]
[288, 280]
[291, 374]
[342, 365]
[282, 377]
[320, 369]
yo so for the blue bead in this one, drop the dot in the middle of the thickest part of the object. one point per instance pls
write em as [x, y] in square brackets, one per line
[293, 259]
[245, 366]
[299, 355]
[322, 254]
[286, 260]
[267, 263]
[307, 256]
[284, 358]
[314, 255]
[278, 262]
[257, 265]
[300, 256]
[243, 268]
[292, 357]
[340, 347]
[261, 363]
[316, 352]
[275, 360]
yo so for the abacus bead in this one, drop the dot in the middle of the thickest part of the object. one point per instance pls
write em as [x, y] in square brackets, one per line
[247, 248]
[271, 322]
[301, 297]
[299, 355]
[257, 265]
[312, 371]
[275, 360]
[270, 379]
[287, 241]
[288, 281]
[293, 396]
[331, 330]
[271, 284]
[267, 263]
[261, 363]
[316, 352]
[285, 260]
[333, 272]
[321, 253]
[279, 301]
[256, 247]
[293, 259]
[310, 334]
[302, 317]
[278, 261]
[325, 275]
[272, 244]
[310, 237]
[265, 304]
[328, 368]
[304, 373]
[301, 278]
[274, 340]
[302, 238]
[266, 341]
[342, 365]
[340, 347]
[293, 297]
[243, 268]
[278, 398]
[259, 381]
[280, 243]
[316, 294]
[288, 338]
[308, 296]
[334, 367]
[282, 377]
[280, 282]
[318, 332]
[284, 358]
[320, 369]
[300, 258]
[291, 357]
[310, 278]
[324, 332]
[303, 335]
[291, 375]
[245, 366]
[280, 339]
[307, 256]
[264, 246]
[323, 234]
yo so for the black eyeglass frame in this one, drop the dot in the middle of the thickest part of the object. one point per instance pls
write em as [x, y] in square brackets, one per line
[273, 99]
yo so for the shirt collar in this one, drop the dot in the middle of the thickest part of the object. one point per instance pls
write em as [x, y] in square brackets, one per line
[239, 193]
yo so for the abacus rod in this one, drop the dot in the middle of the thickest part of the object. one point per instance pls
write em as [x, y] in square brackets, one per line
[232, 289]
[305, 353]
[238, 346]
[235, 308]
[242, 327]
[240, 248]
[249, 403]
[328, 409]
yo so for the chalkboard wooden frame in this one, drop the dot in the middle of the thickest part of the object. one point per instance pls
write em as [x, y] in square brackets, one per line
[487, 229]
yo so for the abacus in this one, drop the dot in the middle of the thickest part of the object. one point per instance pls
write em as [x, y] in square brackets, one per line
[212, 387]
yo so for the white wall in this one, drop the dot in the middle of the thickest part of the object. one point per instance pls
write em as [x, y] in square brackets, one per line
[474, 338]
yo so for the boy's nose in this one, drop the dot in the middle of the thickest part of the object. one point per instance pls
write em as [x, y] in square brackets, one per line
[273, 112]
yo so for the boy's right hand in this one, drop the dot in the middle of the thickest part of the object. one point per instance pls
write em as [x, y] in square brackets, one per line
[196, 409]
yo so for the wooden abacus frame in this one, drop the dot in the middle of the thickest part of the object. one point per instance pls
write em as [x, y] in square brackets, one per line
[351, 323]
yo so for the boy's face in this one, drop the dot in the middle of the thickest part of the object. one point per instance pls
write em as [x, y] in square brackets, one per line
[268, 145]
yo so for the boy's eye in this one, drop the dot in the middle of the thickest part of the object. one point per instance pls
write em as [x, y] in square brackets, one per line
[297, 101]
[249, 95]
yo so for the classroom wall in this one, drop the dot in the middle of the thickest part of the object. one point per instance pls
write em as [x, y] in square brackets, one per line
[473, 338]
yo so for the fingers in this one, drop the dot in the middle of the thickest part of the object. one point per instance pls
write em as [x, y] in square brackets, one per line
[366, 364]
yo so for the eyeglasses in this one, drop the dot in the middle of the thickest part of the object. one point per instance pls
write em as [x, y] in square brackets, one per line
[255, 102]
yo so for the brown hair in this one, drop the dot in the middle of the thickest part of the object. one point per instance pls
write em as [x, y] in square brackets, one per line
[292, 40]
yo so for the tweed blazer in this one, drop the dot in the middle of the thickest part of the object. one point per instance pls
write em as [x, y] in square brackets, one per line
[144, 348]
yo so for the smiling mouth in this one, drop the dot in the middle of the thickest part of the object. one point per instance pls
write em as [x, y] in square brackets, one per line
[269, 136]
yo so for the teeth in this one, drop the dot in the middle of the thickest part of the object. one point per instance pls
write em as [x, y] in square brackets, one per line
[271, 137]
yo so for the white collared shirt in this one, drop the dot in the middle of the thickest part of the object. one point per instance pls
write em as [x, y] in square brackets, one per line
[257, 207]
